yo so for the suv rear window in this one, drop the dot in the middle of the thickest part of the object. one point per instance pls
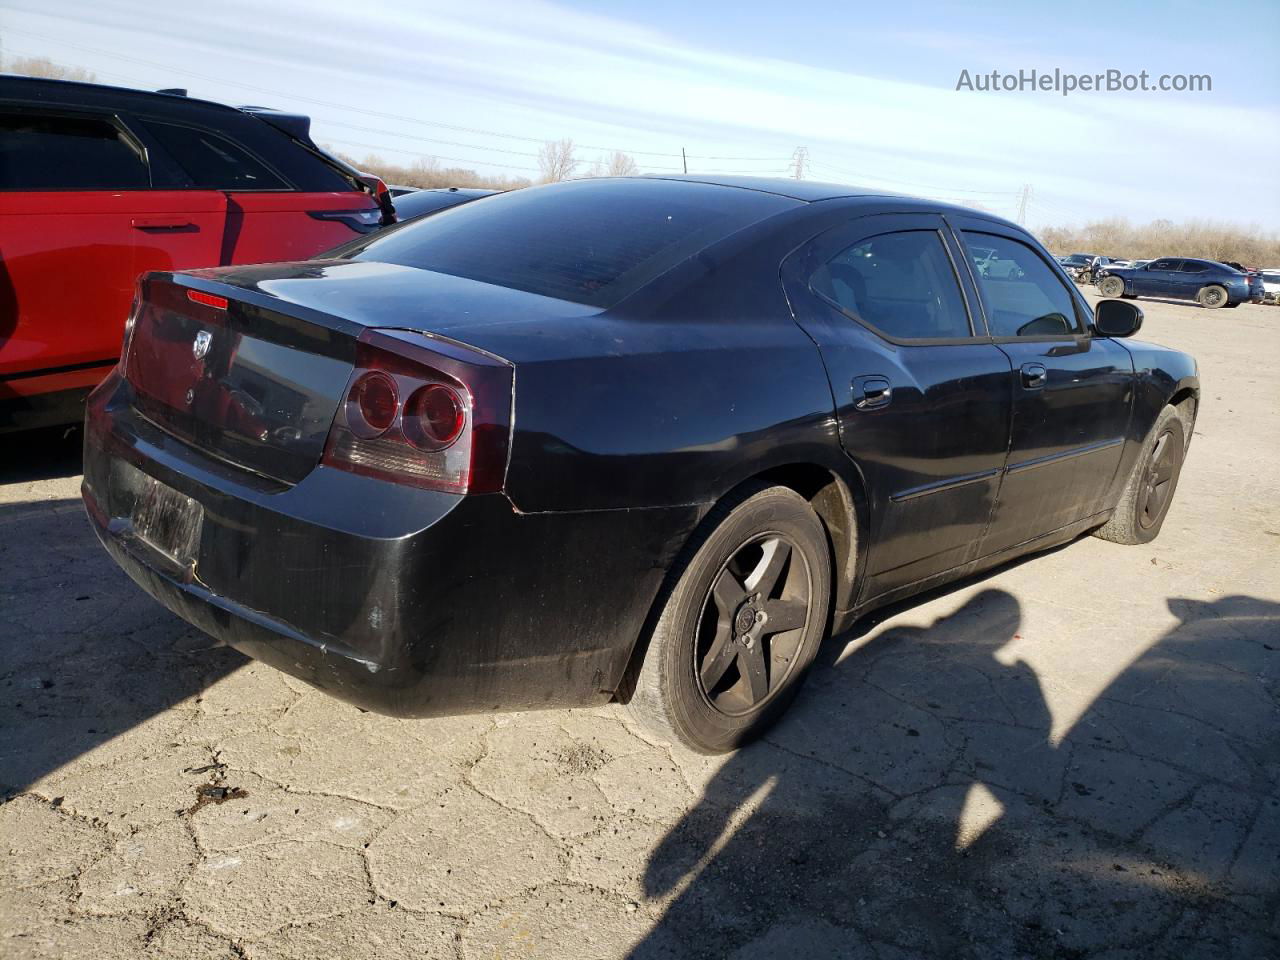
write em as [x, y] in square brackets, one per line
[590, 241]
[43, 152]
[213, 162]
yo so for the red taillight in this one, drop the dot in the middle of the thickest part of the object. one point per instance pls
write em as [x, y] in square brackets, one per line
[434, 417]
[208, 299]
[424, 411]
[372, 403]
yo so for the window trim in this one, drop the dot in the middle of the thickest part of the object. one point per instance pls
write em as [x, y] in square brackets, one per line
[938, 231]
[135, 143]
[1084, 316]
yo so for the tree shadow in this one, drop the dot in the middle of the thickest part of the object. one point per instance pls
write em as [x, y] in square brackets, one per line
[914, 804]
[84, 654]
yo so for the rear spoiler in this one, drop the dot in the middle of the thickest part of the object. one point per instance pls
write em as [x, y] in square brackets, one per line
[296, 125]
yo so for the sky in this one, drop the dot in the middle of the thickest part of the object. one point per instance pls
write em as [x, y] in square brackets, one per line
[867, 89]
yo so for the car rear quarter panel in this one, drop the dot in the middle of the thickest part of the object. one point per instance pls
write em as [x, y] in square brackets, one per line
[1161, 376]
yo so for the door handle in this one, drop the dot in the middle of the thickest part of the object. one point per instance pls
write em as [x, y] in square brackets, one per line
[163, 223]
[871, 393]
[1034, 376]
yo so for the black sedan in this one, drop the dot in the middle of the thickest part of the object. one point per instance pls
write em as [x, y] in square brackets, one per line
[419, 203]
[645, 440]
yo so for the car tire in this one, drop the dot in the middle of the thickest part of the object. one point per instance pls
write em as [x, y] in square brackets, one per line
[714, 675]
[1111, 287]
[1144, 504]
[1212, 296]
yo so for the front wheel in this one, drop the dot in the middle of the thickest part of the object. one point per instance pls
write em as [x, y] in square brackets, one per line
[740, 624]
[1149, 490]
[1212, 296]
[1111, 287]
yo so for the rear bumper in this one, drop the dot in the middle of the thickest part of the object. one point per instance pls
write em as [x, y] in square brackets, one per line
[401, 601]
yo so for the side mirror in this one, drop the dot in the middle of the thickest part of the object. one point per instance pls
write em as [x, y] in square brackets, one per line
[1117, 318]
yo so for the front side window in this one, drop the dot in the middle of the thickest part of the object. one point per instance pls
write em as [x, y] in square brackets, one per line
[46, 152]
[213, 162]
[1026, 299]
[902, 284]
[1163, 265]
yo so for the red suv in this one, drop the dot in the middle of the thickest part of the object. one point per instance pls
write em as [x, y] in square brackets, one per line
[99, 184]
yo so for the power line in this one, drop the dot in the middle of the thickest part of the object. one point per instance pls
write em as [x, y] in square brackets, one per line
[366, 109]
[918, 186]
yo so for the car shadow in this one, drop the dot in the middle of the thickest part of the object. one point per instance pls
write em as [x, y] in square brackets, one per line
[915, 803]
[46, 454]
[84, 654]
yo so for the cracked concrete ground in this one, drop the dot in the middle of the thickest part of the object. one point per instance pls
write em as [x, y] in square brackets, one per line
[1078, 755]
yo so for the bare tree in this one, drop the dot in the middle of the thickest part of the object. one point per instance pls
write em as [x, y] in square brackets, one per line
[556, 161]
[45, 68]
[622, 165]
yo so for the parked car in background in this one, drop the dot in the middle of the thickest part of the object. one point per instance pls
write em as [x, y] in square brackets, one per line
[1271, 285]
[1077, 265]
[419, 203]
[630, 439]
[99, 184]
[1207, 282]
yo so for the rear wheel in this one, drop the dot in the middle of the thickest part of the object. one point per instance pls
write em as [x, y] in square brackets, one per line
[1149, 491]
[1111, 287]
[740, 625]
[1212, 296]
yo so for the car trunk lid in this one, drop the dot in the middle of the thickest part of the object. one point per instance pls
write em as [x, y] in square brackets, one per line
[249, 364]
[250, 385]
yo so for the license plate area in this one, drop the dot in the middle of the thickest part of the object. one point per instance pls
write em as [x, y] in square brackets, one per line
[167, 521]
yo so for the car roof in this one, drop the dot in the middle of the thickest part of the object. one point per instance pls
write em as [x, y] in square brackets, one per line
[813, 191]
[807, 190]
[74, 92]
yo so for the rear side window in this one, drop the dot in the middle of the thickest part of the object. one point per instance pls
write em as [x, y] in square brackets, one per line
[43, 152]
[902, 284]
[213, 162]
[1024, 298]
[590, 241]
[1194, 266]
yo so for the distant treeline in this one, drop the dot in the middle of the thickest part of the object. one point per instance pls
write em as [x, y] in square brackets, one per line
[1207, 239]
[430, 173]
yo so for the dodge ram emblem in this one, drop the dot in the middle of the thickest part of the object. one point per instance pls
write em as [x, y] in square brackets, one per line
[200, 345]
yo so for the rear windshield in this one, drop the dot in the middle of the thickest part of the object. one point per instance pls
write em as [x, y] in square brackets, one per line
[590, 241]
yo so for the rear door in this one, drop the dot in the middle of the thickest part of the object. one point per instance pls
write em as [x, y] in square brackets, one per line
[1072, 393]
[79, 221]
[922, 396]
[268, 217]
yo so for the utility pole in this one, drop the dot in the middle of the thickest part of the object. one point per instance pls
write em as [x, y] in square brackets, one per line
[684, 160]
[1022, 204]
[798, 161]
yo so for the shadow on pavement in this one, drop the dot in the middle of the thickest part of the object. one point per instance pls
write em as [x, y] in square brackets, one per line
[84, 654]
[913, 804]
[40, 454]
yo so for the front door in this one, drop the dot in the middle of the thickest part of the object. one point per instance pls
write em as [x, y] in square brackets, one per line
[1072, 394]
[1158, 279]
[923, 399]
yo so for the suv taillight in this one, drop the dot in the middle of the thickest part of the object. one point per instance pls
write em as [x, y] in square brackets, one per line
[426, 412]
[378, 190]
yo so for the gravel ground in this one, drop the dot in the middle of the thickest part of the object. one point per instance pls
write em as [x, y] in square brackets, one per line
[1076, 756]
